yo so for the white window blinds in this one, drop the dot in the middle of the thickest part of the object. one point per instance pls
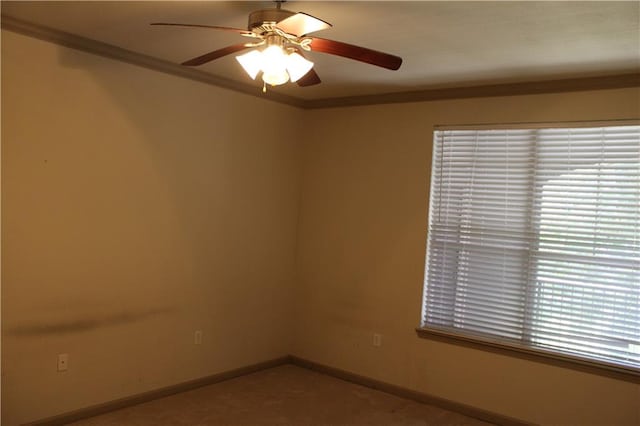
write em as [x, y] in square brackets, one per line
[534, 239]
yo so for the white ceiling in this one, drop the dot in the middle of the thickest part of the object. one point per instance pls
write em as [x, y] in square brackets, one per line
[443, 44]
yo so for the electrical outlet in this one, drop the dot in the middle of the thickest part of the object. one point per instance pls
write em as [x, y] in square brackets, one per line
[197, 337]
[63, 362]
[377, 339]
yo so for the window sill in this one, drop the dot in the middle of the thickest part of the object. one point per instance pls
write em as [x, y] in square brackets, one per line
[536, 355]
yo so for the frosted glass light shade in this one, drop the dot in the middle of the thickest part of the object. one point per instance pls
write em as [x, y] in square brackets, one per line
[274, 66]
[251, 62]
[297, 66]
[275, 78]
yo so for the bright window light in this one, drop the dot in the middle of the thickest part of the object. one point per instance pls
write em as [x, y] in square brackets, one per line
[534, 240]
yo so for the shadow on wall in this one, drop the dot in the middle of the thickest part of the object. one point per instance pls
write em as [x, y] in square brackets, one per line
[87, 324]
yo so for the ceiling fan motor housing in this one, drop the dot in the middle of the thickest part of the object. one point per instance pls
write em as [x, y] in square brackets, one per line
[259, 18]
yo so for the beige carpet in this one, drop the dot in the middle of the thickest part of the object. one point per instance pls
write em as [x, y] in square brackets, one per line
[285, 395]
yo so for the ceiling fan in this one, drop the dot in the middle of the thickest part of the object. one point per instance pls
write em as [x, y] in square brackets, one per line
[280, 39]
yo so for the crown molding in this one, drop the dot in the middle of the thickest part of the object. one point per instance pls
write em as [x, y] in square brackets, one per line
[614, 81]
[113, 52]
[617, 81]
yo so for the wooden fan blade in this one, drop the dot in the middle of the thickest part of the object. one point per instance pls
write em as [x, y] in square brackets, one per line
[213, 27]
[208, 57]
[358, 53]
[301, 24]
[309, 79]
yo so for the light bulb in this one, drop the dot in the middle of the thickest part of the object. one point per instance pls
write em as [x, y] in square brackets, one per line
[274, 66]
[251, 62]
[297, 66]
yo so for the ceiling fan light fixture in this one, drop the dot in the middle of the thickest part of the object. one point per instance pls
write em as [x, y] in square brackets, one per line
[251, 62]
[277, 66]
[297, 66]
[285, 35]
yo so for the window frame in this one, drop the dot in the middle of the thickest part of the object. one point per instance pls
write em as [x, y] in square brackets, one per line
[505, 347]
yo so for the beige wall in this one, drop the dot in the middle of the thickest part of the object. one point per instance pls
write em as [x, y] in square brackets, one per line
[361, 247]
[137, 208]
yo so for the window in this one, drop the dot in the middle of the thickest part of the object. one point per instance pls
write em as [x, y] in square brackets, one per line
[534, 240]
